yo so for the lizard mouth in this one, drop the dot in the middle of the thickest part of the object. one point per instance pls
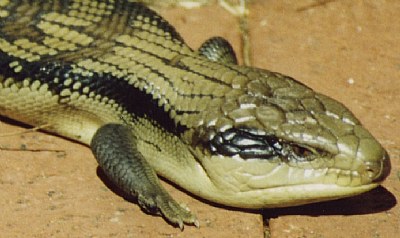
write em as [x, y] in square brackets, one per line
[367, 173]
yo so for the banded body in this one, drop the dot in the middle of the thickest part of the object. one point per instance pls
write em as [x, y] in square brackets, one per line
[116, 76]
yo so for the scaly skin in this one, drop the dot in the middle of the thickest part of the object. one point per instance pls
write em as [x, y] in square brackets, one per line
[117, 77]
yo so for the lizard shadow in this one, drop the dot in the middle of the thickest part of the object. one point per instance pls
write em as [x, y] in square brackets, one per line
[374, 201]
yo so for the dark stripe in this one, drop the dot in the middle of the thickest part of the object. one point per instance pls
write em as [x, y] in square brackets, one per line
[133, 100]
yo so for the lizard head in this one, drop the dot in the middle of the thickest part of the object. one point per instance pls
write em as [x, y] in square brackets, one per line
[282, 144]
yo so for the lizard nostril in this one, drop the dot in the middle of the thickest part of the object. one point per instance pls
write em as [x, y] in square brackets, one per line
[373, 172]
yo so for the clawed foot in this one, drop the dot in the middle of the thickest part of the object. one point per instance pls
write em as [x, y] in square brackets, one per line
[166, 206]
[115, 148]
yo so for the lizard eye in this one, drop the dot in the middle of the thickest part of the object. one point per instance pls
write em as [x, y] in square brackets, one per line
[302, 151]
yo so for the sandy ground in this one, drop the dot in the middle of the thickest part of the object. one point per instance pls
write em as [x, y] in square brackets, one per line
[349, 50]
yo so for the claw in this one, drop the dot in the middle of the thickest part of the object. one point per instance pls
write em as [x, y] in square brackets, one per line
[196, 223]
[180, 224]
